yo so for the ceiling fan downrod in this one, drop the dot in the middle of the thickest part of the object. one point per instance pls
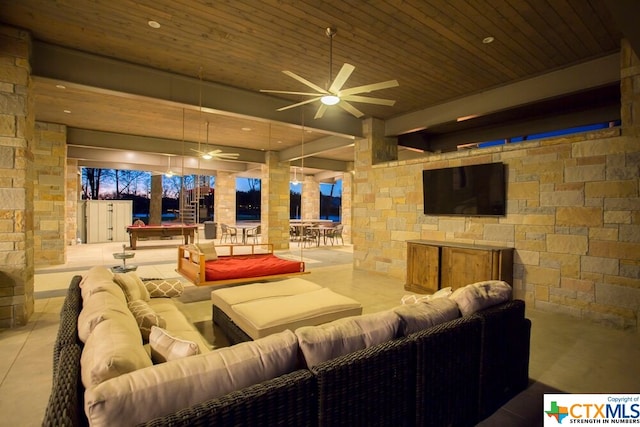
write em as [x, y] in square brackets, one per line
[330, 32]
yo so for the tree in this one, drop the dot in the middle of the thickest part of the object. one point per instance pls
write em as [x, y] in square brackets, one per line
[91, 186]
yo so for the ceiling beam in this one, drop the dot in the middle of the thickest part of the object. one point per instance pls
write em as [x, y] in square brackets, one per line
[314, 148]
[147, 144]
[598, 72]
[524, 127]
[56, 62]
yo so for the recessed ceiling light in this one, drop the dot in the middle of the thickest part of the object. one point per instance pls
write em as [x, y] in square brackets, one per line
[66, 111]
[246, 129]
[61, 86]
[488, 40]
[153, 24]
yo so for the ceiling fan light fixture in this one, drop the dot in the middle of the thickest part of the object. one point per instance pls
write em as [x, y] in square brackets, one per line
[330, 99]
[207, 156]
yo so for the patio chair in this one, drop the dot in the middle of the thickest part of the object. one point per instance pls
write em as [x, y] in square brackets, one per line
[229, 233]
[335, 234]
[254, 233]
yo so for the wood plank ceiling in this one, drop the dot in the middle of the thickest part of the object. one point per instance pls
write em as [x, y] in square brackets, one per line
[433, 48]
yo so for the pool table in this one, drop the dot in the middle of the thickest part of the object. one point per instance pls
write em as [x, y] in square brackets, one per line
[136, 232]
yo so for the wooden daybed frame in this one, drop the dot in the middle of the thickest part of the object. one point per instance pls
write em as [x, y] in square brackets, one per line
[191, 264]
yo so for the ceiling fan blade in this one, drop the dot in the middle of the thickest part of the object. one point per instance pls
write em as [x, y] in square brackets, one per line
[197, 151]
[291, 93]
[341, 78]
[299, 104]
[350, 109]
[369, 100]
[320, 111]
[369, 88]
[305, 81]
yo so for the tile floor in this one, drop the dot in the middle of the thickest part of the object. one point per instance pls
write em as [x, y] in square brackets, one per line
[567, 354]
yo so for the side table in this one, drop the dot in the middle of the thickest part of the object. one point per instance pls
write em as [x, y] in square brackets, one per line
[124, 256]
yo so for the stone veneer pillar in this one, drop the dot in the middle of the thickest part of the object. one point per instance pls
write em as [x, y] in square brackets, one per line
[347, 204]
[72, 195]
[225, 199]
[16, 178]
[629, 90]
[49, 193]
[310, 198]
[275, 201]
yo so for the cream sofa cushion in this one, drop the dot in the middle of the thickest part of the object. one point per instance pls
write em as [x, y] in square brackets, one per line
[148, 393]
[325, 342]
[113, 348]
[99, 279]
[132, 286]
[165, 347]
[416, 317]
[100, 306]
[481, 295]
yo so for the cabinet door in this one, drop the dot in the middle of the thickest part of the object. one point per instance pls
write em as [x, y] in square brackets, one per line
[461, 266]
[423, 268]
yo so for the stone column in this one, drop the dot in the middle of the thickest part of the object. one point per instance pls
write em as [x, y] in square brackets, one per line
[16, 178]
[155, 202]
[347, 203]
[50, 162]
[310, 198]
[275, 201]
[629, 90]
[225, 199]
[72, 195]
[383, 149]
[374, 148]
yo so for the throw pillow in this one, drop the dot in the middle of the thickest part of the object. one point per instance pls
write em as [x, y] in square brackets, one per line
[481, 295]
[209, 251]
[164, 288]
[165, 347]
[132, 286]
[145, 317]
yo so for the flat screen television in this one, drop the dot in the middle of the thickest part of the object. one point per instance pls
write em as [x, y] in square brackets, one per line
[475, 190]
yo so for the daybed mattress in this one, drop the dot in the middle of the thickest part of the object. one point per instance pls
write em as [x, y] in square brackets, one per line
[241, 266]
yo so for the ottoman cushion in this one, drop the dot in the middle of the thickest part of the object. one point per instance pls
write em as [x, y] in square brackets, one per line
[225, 298]
[267, 316]
[263, 309]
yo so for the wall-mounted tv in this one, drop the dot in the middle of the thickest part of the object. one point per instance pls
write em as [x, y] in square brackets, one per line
[475, 190]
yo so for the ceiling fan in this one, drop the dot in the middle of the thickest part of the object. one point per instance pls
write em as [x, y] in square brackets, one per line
[169, 173]
[218, 154]
[335, 95]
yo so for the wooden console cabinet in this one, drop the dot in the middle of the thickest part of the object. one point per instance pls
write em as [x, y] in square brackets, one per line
[433, 265]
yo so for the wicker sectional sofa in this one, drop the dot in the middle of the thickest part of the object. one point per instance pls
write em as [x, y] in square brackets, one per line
[454, 373]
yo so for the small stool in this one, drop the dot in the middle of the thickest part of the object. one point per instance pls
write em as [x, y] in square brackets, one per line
[253, 311]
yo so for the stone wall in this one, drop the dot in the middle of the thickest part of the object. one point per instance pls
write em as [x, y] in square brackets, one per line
[16, 178]
[573, 217]
[50, 161]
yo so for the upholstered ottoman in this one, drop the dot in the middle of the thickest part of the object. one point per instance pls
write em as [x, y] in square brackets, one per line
[253, 311]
